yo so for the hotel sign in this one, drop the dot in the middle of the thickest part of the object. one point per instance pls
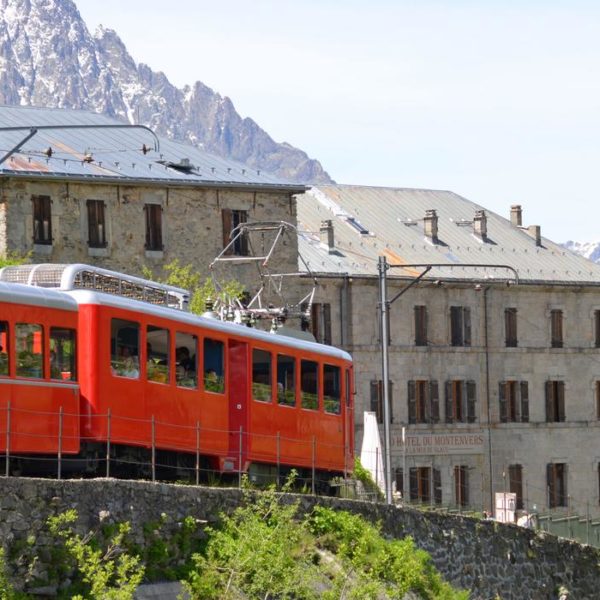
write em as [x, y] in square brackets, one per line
[471, 442]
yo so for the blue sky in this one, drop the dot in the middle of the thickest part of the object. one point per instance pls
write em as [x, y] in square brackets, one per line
[496, 101]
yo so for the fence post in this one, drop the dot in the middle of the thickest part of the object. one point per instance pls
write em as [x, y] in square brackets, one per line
[60, 434]
[314, 451]
[240, 458]
[7, 469]
[153, 450]
[197, 452]
[108, 444]
[278, 457]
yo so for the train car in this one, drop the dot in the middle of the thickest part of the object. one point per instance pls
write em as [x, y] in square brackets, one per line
[155, 379]
[39, 394]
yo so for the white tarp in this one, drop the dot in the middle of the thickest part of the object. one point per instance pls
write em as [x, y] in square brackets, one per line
[371, 453]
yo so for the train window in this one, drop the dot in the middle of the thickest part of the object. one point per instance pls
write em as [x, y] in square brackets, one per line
[3, 348]
[309, 375]
[125, 348]
[30, 346]
[186, 352]
[62, 354]
[157, 354]
[261, 375]
[286, 380]
[214, 366]
[332, 389]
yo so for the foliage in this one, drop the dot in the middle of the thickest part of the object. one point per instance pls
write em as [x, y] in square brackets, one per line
[380, 567]
[14, 258]
[185, 276]
[260, 551]
[107, 573]
[263, 550]
[364, 476]
[7, 591]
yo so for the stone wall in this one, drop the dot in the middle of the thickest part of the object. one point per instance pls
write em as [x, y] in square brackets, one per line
[488, 558]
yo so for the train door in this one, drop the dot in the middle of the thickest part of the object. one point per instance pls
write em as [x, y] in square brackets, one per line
[238, 400]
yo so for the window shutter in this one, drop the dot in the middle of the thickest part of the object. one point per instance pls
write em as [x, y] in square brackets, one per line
[413, 484]
[426, 403]
[435, 401]
[456, 326]
[412, 402]
[550, 485]
[524, 402]
[437, 486]
[549, 401]
[448, 403]
[327, 323]
[376, 400]
[502, 401]
[471, 392]
[467, 326]
[561, 401]
[227, 218]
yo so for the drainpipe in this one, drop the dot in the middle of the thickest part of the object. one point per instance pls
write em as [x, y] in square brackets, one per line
[487, 392]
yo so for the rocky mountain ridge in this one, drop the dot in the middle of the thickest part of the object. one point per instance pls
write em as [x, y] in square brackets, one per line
[49, 58]
[591, 250]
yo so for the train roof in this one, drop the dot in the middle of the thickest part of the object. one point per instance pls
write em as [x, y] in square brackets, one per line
[82, 297]
[17, 293]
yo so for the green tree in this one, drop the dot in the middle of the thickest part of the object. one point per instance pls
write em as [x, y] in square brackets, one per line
[14, 258]
[201, 290]
[108, 573]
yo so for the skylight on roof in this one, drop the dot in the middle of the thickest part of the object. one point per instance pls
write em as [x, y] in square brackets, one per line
[355, 224]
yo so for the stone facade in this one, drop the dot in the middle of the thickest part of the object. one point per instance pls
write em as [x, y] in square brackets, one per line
[192, 224]
[490, 559]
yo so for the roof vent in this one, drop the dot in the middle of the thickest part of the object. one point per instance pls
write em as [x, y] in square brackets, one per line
[480, 224]
[516, 215]
[326, 235]
[430, 224]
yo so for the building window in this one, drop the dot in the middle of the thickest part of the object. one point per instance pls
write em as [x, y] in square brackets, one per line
[42, 220]
[420, 326]
[514, 401]
[598, 400]
[154, 239]
[320, 322]
[555, 401]
[423, 402]
[510, 327]
[556, 328]
[460, 401]
[556, 480]
[377, 399]
[232, 219]
[515, 483]
[424, 480]
[399, 479]
[597, 328]
[461, 485]
[96, 224]
[460, 326]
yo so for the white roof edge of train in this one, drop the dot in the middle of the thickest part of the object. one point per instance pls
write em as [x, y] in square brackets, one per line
[17, 293]
[99, 298]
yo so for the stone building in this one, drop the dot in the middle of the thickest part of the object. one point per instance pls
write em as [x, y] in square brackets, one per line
[81, 187]
[496, 382]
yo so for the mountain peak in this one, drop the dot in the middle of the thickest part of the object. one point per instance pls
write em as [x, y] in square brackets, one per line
[49, 58]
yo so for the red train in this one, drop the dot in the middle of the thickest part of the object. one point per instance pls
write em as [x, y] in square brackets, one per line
[105, 369]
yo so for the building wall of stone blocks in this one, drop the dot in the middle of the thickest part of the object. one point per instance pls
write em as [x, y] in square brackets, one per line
[534, 444]
[191, 225]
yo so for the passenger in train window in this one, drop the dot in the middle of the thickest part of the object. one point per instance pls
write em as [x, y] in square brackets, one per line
[3, 362]
[127, 365]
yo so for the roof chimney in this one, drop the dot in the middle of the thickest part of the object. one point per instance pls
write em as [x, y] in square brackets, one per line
[480, 224]
[516, 215]
[535, 231]
[326, 235]
[430, 224]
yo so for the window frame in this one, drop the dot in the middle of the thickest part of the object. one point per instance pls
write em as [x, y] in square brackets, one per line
[557, 339]
[96, 223]
[42, 220]
[461, 485]
[153, 227]
[460, 326]
[557, 485]
[232, 218]
[555, 401]
[420, 316]
[511, 339]
[268, 397]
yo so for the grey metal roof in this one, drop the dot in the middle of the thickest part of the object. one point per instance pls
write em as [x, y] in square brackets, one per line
[117, 153]
[394, 220]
